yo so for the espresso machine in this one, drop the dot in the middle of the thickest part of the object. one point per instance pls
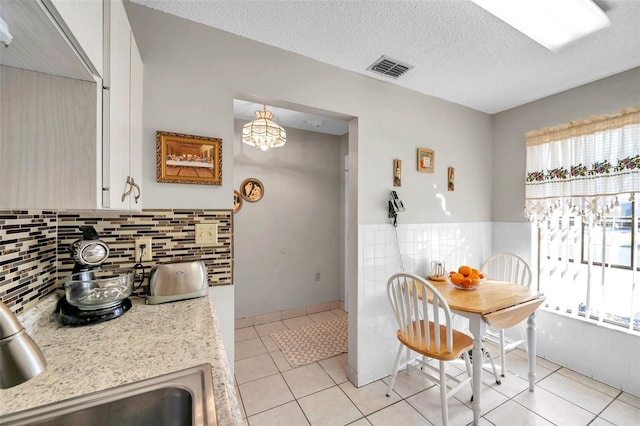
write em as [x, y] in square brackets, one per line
[93, 294]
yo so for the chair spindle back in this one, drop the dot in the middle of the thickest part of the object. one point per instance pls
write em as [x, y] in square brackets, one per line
[409, 296]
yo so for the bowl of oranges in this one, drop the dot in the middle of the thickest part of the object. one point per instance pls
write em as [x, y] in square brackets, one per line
[466, 278]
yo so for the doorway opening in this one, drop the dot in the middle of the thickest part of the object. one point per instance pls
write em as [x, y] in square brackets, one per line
[290, 248]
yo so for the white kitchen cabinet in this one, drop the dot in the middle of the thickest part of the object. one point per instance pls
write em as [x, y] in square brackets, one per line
[135, 124]
[122, 114]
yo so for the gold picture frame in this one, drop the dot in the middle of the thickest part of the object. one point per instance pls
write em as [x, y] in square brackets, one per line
[251, 190]
[184, 158]
[426, 160]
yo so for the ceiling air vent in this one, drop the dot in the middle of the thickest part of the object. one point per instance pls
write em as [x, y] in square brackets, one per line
[389, 67]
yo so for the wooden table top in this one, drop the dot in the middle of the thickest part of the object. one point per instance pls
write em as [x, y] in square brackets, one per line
[490, 296]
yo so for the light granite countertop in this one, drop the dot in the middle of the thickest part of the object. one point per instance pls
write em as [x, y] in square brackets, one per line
[147, 341]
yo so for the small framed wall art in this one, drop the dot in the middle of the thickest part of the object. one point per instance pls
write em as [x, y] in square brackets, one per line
[451, 177]
[426, 160]
[251, 190]
[397, 172]
[188, 159]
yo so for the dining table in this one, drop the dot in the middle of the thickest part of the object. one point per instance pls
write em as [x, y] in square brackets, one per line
[497, 304]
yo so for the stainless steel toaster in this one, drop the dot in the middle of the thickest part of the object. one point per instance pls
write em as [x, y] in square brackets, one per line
[177, 280]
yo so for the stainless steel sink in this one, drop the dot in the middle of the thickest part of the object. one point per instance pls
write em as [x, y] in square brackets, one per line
[181, 398]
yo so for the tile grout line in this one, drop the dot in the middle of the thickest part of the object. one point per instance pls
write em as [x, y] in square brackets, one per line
[598, 416]
[573, 403]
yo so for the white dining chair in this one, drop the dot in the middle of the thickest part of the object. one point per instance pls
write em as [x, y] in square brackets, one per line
[424, 327]
[510, 268]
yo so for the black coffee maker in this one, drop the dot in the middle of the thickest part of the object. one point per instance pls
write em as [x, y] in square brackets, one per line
[88, 253]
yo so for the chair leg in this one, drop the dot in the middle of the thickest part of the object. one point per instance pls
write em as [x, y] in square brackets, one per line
[503, 362]
[487, 353]
[443, 393]
[395, 369]
[467, 363]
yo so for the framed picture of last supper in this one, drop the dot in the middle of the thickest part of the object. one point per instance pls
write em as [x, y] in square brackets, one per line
[188, 159]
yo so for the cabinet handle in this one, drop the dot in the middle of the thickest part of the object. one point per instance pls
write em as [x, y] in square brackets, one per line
[133, 187]
[136, 190]
[127, 193]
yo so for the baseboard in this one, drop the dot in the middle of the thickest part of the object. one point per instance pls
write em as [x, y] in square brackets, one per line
[288, 313]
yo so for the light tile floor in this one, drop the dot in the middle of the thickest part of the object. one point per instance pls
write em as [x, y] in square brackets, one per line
[272, 393]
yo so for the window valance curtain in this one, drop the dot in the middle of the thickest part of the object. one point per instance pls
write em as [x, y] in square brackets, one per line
[583, 165]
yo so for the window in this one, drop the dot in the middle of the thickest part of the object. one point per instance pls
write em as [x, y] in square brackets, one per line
[608, 295]
[582, 180]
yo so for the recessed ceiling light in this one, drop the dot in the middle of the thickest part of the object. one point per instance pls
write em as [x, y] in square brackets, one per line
[552, 23]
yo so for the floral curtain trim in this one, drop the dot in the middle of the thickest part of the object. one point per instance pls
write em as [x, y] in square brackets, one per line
[580, 171]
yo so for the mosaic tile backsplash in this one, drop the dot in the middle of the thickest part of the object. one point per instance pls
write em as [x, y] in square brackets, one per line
[27, 257]
[35, 258]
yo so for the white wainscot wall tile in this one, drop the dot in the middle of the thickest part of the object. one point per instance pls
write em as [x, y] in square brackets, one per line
[367, 237]
[368, 252]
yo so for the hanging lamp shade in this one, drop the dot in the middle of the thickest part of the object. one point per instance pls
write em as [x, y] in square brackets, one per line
[264, 133]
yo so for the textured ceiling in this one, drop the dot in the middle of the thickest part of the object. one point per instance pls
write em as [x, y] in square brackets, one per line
[460, 52]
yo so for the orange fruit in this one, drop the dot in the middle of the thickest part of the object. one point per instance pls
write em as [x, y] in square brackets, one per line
[474, 276]
[481, 275]
[457, 279]
[464, 270]
[466, 282]
[475, 271]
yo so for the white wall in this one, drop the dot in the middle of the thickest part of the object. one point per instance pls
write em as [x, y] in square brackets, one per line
[293, 232]
[557, 340]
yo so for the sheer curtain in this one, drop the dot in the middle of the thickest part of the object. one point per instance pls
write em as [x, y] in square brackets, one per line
[580, 187]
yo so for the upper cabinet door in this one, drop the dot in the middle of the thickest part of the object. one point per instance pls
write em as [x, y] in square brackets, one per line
[84, 20]
[116, 154]
[135, 125]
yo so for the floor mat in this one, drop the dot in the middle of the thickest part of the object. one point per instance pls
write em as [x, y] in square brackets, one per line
[312, 343]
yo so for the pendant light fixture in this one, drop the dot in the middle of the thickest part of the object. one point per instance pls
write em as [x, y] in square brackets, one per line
[264, 133]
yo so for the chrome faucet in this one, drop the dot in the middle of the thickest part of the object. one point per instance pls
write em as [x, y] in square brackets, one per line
[20, 358]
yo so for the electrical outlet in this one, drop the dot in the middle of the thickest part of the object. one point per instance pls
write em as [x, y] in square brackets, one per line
[317, 276]
[207, 234]
[147, 253]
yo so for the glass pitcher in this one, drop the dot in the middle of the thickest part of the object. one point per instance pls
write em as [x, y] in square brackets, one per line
[438, 269]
